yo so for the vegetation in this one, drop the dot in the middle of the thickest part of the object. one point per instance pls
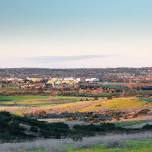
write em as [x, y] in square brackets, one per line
[34, 99]
[147, 99]
[20, 98]
[101, 105]
[126, 146]
[131, 123]
[130, 146]
[16, 128]
[37, 105]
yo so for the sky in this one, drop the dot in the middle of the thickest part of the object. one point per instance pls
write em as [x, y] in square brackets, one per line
[75, 33]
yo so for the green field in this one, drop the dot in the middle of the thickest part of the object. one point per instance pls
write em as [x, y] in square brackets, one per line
[130, 146]
[19, 98]
[19, 104]
[38, 101]
[131, 123]
[31, 97]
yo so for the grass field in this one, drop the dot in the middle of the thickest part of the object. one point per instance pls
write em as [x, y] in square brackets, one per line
[37, 100]
[131, 146]
[103, 105]
[131, 123]
[23, 104]
[30, 97]
[125, 146]
[20, 98]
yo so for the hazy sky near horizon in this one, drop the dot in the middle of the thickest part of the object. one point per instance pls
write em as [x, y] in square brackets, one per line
[75, 33]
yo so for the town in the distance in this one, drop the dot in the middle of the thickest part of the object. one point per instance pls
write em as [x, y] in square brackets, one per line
[116, 82]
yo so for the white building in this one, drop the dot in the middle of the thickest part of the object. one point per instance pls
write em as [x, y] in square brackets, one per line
[92, 80]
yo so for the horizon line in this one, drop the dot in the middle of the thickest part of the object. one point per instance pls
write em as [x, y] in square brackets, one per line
[127, 67]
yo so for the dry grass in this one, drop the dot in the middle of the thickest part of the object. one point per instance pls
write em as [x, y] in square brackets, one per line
[100, 105]
[60, 145]
[120, 104]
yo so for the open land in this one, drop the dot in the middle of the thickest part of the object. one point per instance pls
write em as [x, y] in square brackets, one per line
[76, 110]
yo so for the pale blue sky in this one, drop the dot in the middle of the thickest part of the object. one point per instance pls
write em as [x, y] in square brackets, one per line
[118, 31]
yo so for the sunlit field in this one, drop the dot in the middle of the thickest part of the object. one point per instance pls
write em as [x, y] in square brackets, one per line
[22, 104]
[60, 104]
[102, 105]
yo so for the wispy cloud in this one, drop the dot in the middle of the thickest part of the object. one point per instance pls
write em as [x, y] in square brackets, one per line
[54, 59]
[81, 61]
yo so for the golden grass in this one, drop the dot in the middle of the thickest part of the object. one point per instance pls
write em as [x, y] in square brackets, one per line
[116, 104]
[26, 101]
[100, 105]
[120, 104]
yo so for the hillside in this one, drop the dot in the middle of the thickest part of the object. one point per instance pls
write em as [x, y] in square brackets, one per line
[16, 128]
[118, 104]
[124, 108]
